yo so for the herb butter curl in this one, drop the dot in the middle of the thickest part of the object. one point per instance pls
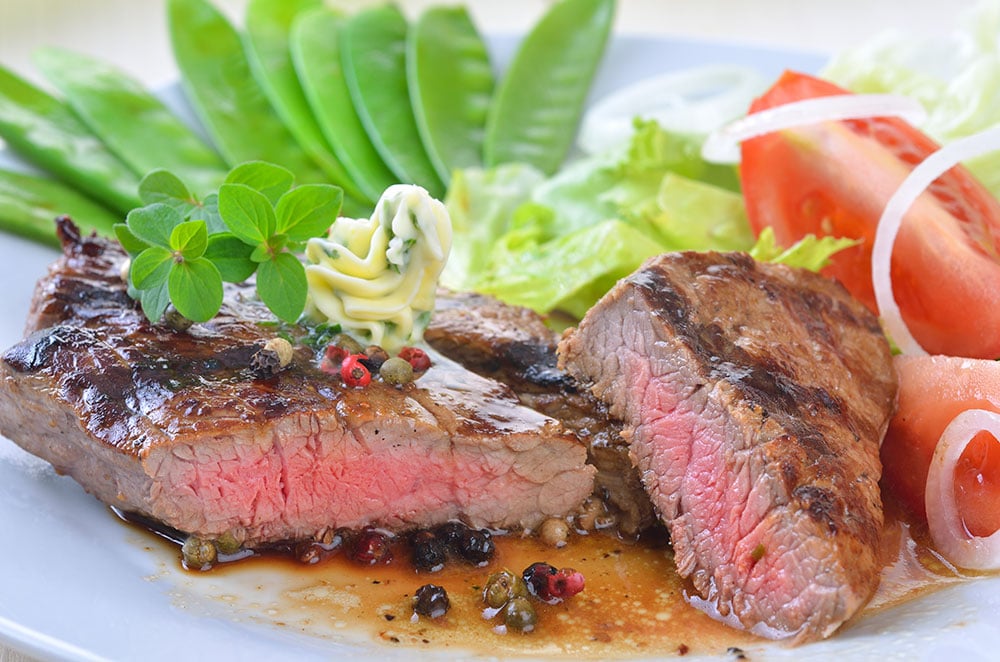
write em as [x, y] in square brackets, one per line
[377, 277]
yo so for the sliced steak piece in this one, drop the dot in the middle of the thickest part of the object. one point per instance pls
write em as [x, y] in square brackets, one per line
[755, 396]
[173, 426]
[512, 344]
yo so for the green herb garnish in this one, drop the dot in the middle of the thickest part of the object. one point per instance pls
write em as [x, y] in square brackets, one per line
[183, 248]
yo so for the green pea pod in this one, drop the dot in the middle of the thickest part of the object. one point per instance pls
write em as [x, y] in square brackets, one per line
[451, 83]
[534, 115]
[316, 53]
[47, 133]
[268, 28]
[373, 48]
[133, 123]
[216, 78]
[29, 206]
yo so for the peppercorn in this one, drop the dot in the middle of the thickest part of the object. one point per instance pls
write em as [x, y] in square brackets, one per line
[503, 586]
[450, 533]
[376, 357]
[372, 547]
[520, 615]
[550, 585]
[416, 357]
[349, 344]
[396, 371]
[427, 552]
[354, 373]
[173, 319]
[554, 532]
[198, 553]
[431, 600]
[476, 546]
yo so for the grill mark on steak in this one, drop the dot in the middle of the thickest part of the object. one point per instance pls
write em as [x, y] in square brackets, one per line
[173, 426]
[755, 397]
[514, 345]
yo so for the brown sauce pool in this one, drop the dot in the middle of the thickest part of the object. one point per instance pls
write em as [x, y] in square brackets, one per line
[633, 604]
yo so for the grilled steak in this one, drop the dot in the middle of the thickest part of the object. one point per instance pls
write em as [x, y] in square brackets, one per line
[173, 426]
[513, 345]
[755, 397]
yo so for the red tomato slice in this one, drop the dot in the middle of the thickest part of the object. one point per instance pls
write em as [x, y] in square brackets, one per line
[835, 178]
[932, 391]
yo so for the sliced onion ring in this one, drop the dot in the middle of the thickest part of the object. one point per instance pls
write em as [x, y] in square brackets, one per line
[919, 179]
[722, 146]
[948, 532]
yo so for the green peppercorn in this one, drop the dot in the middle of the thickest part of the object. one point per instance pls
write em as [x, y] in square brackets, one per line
[520, 615]
[198, 553]
[503, 586]
[396, 371]
[229, 542]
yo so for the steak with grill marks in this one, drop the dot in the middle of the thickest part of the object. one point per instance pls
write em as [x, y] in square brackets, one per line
[173, 426]
[755, 397]
[513, 345]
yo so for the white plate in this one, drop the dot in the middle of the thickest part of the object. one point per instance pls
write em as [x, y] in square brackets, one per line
[75, 584]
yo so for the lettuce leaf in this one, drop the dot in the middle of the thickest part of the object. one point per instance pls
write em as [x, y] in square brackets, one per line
[561, 243]
[809, 252]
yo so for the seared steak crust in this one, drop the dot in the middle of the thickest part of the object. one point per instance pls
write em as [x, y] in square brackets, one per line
[175, 427]
[755, 396]
[513, 345]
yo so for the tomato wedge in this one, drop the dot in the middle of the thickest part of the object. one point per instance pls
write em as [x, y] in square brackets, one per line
[932, 391]
[834, 178]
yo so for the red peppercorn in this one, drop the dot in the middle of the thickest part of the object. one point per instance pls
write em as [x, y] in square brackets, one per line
[417, 358]
[354, 373]
[550, 585]
[333, 359]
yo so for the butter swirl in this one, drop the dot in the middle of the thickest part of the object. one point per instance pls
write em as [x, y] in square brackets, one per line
[377, 277]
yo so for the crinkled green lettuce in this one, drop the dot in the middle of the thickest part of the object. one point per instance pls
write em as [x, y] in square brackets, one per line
[810, 252]
[563, 242]
[957, 78]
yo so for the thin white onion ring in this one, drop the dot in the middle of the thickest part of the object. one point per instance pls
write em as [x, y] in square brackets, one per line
[696, 100]
[919, 179]
[722, 146]
[947, 530]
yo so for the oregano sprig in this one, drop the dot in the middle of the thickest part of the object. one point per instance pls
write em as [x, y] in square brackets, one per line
[182, 249]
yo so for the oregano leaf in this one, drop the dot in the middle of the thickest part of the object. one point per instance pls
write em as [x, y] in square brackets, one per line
[208, 211]
[247, 213]
[308, 211]
[195, 289]
[150, 267]
[282, 285]
[167, 188]
[154, 223]
[271, 180]
[231, 257]
[190, 239]
[131, 243]
[155, 300]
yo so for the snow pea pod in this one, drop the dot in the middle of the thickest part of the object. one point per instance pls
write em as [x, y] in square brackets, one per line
[47, 133]
[267, 34]
[315, 49]
[216, 78]
[29, 206]
[534, 115]
[451, 83]
[373, 48]
[133, 123]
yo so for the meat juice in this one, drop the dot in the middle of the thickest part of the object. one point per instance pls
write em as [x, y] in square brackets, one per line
[633, 605]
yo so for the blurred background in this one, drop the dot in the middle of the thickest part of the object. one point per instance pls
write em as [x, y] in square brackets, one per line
[131, 32]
